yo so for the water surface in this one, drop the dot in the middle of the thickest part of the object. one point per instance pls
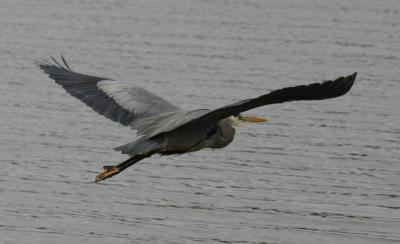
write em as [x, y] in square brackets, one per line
[319, 172]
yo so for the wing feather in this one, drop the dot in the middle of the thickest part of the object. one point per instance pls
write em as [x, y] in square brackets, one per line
[151, 115]
[115, 100]
[315, 91]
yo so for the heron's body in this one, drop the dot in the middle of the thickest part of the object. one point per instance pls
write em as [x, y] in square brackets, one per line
[215, 137]
[183, 140]
[164, 128]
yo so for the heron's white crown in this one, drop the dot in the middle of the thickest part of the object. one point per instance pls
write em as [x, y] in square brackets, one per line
[236, 121]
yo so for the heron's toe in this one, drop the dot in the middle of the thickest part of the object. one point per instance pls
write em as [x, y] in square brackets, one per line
[107, 172]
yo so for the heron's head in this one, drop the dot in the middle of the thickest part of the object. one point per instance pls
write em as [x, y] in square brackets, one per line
[239, 119]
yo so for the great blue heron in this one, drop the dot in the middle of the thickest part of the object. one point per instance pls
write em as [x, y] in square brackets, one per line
[165, 128]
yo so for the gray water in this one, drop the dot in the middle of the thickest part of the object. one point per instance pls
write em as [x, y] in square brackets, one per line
[318, 172]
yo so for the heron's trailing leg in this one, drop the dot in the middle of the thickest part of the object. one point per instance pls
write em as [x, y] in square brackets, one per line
[110, 171]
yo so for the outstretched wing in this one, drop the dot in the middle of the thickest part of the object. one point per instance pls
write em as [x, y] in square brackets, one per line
[113, 99]
[316, 91]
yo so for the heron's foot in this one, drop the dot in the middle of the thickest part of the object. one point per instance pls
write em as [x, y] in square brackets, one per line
[107, 172]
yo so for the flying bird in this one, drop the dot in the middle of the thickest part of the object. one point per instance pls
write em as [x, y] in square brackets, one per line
[164, 128]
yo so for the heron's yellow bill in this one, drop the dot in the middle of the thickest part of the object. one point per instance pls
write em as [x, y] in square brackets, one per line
[252, 119]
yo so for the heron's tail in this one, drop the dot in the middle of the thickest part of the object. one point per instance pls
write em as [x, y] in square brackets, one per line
[139, 147]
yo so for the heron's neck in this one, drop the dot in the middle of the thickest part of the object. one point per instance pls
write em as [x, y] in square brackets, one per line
[226, 129]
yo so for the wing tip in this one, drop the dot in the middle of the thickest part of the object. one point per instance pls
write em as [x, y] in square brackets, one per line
[347, 83]
[52, 63]
[353, 76]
